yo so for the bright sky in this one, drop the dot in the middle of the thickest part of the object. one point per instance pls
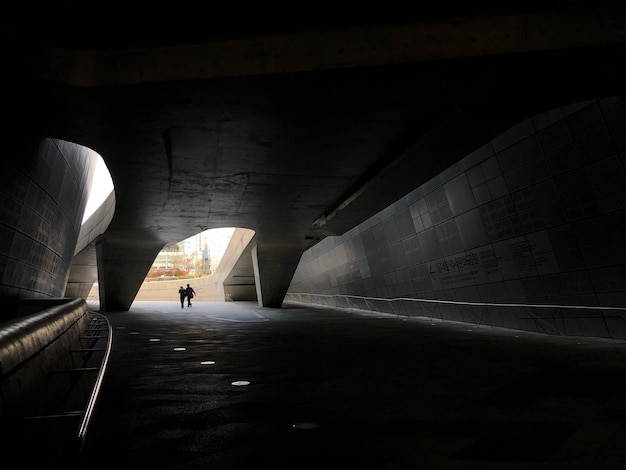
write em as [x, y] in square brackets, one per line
[101, 187]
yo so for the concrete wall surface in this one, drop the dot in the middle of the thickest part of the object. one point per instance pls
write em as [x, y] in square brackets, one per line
[44, 192]
[165, 291]
[535, 216]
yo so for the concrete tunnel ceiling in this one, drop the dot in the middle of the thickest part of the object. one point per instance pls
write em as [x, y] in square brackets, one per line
[300, 150]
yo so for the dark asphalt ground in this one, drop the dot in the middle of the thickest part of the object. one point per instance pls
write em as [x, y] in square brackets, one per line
[321, 388]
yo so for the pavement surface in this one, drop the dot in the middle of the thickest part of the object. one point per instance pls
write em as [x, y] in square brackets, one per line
[236, 386]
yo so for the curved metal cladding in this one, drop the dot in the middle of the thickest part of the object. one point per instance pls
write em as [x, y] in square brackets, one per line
[535, 216]
[45, 186]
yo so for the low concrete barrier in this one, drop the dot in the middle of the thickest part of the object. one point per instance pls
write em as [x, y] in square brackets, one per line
[32, 348]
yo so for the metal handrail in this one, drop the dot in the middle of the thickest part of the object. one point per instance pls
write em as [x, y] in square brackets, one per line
[87, 414]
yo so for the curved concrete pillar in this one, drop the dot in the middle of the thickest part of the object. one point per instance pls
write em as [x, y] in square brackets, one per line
[122, 267]
[235, 274]
[274, 265]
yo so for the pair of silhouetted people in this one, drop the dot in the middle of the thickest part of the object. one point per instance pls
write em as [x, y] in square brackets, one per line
[186, 293]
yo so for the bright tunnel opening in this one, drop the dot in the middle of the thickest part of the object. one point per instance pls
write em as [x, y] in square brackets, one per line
[101, 188]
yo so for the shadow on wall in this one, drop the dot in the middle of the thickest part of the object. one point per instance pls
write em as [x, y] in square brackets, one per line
[535, 216]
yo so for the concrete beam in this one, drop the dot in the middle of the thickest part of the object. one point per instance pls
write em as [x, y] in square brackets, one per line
[452, 38]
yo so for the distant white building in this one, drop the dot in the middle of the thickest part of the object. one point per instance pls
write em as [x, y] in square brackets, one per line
[198, 254]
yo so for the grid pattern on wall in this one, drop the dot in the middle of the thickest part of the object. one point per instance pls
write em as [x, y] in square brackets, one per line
[536, 215]
[46, 190]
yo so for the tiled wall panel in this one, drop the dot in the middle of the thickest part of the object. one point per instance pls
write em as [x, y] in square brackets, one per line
[535, 216]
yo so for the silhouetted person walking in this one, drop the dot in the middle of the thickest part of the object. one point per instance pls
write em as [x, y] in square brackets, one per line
[190, 294]
[183, 293]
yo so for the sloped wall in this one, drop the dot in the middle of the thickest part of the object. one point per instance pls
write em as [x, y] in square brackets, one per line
[537, 215]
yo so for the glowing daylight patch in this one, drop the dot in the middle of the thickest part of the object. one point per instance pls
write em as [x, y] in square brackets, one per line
[239, 383]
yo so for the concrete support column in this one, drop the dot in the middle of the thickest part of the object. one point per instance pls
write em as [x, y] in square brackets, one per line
[122, 267]
[274, 265]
